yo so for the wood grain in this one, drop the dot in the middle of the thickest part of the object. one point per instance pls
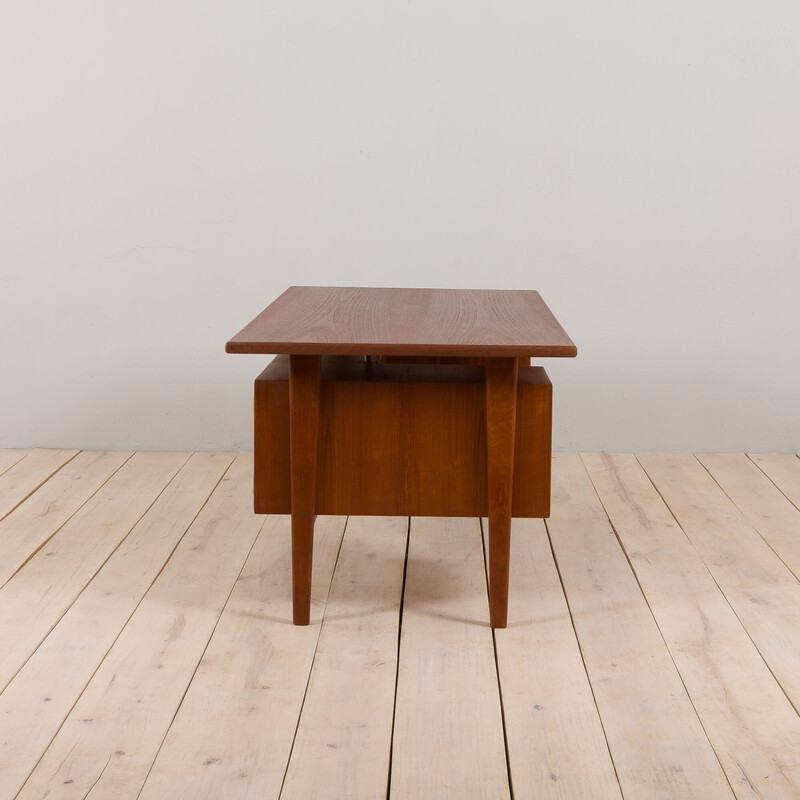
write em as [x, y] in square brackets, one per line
[345, 729]
[233, 733]
[400, 439]
[654, 735]
[753, 728]
[407, 322]
[448, 735]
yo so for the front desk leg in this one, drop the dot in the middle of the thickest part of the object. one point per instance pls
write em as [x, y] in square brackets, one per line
[501, 417]
[304, 393]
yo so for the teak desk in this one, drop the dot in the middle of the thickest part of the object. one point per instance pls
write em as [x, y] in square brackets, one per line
[403, 402]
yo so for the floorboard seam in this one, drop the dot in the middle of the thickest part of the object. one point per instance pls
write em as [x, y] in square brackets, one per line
[124, 625]
[663, 638]
[497, 667]
[76, 511]
[200, 660]
[397, 668]
[311, 668]
[727, 600]
[39, 485]
[24, 455]
[583, 659]
[97, 571]
[769, 478]
[758, 650]
[745, 518]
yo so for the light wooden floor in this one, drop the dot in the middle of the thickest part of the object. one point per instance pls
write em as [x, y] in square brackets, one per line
[146, 650]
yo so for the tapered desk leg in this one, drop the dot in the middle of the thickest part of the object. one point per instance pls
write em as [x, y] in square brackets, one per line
[304, 391]
[501, 417]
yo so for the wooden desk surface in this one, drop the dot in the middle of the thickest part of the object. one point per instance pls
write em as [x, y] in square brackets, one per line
[317, 320]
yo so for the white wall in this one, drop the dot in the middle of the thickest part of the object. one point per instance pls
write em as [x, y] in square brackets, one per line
[167, 168]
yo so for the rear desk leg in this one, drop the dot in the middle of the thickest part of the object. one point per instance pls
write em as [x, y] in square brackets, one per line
[501, 417]
[304, 392]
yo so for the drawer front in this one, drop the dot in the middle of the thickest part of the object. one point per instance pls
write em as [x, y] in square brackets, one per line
[414, 445]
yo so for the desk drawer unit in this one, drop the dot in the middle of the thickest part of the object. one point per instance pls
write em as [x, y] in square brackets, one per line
[400, 439]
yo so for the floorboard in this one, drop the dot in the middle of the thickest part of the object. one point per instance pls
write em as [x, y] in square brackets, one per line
[36, 702]
[233, 733]
[10, 457]
[54, 577]
[752, 726]
[37, 518]
[657, 742]
[556, 745]
[783, 470]
[448, 733]
[652, 651]
[761, 589]
[27, 474]
[99, 752]
[345, 730]
[762, 504]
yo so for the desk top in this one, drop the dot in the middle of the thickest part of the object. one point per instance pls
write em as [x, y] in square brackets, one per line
[321, 320]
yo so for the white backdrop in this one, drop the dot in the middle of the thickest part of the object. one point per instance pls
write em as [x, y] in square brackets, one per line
[167, 168]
